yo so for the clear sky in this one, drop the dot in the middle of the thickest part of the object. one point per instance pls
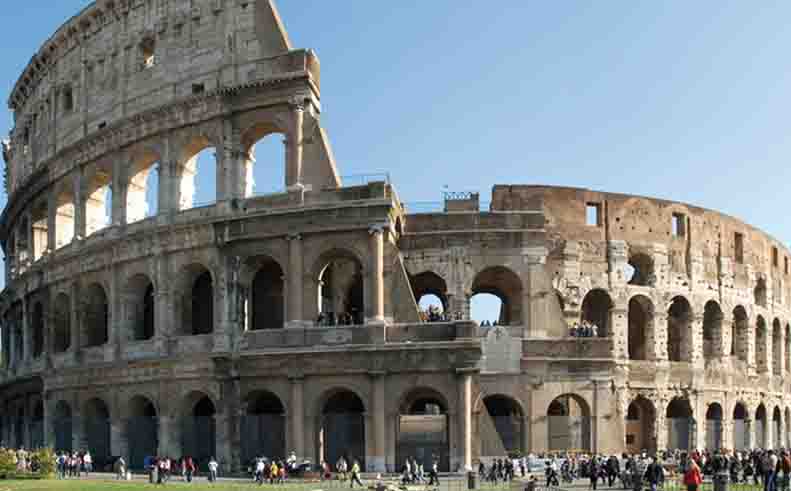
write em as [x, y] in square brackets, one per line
[682, 100]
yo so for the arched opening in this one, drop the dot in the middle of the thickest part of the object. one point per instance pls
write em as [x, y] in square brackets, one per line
[64, 218]
[265, 166]
[712, 330]
[642, 267]
[39, 221]
[423, 429]
[197, 312]
[568, 417]
[679, 424]
[761, 351]
[267, 297]
[641, 327]
[142, 193]
[431, 293]
[263, 427]
[98, 200]
[63, 430]
[507, 287]
[198, 435]
[198, 175]
[777, 428]
[342, 432]
[679, 317]
[37, 426]
[341, 290]
[759, 293]
[714, 427]
[760, 427]
[37, 327]
[741, 434]
[777, 347]
[640, 426]
[740, 332]
[95, 316]
[486, 309]
[500, 427]
[596, 311]
[62, 323]
[139, 305]
[141, 431]
[96, 430]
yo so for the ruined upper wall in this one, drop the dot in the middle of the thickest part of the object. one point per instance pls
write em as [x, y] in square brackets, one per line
[120, 58]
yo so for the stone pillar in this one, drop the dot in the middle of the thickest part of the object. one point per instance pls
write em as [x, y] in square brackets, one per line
[376, 246]
[748, 433]
[223, 444]
[26, 437]
[658, 340]
[79, 207]
[49, 424]
[118, 213]
[26, 344]
[295, 277]
[75, 323]
[376, 462]
[167, 444]
[619, 331]
[465, 419]
[12, 334]
[692, 347]
[297, 416]
[660, 428]
[535, 301]
[226, 302]
[294, 149]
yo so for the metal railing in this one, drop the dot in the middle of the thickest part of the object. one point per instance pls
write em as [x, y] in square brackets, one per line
[363, 179]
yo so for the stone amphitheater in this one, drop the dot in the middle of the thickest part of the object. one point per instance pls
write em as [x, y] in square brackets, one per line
[262, 324]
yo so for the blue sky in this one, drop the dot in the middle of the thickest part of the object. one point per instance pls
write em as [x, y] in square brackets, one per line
[682, 100]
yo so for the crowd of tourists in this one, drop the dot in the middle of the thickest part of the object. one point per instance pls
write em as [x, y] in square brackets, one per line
[414, 472]
[162, 469]
[23, 460]
[331, 319]
[584, 329]
[74, 464]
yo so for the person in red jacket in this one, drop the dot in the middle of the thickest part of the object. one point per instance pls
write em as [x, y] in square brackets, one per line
[692, 476]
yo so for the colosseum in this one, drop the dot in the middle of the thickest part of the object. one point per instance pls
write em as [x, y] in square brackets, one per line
[262, 324]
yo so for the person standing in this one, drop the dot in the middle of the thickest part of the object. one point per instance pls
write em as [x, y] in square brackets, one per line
[593, 469]
[654, 474]
[213, 470]
[692, 477]
[87, 462]
[189, 468]
[770, 470]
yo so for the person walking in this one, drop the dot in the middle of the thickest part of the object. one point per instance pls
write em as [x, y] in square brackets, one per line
[188, 468]
[654, 474]
[355, 477]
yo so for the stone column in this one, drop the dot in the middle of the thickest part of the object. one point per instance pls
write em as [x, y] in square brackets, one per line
[465, 418]
[658, 340]
[12, 354]
[297, 418]
[79, 207]
[75, 321]
[118, 213]
[26, 436]
[660, 428]
[535, 301]
[376, 462]
[619, 328]
[26, 344]
[294, 149]
[748, 433]
[167, 445]
[376, 246]
[295, 277]
[222, 442]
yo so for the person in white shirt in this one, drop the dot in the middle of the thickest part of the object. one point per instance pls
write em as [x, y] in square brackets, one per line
[87, 461]
[213, 470]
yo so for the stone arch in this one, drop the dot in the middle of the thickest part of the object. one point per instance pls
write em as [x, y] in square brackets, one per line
[424, 427]
[62, 425]
[98, 190]
[198, 162]
[679, 340]
[740, 334]
[340, 287]
[641, 327]
[760, 292]
[144, 168]
[429, 283]
[139, 305]
[196, 289]
[341, 427]
[37, 327]
[501, 426]
[761, 341]
[596, 308]
[761, 426]
[741, 434]
[95, 316]
[198, 432]
[61, 323]
[640, 425]
[642, 266]
[714, 426]
[64, 212]
[777, 347]
[267, 295]
[263, 426]
[142, 430]
[568, 417]
[680, 424]
[712, 330]
[506, 285]
[39, 221]
[95, 417]
[254, 135]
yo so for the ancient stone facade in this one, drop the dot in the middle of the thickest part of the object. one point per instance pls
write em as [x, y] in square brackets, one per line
[212, 329]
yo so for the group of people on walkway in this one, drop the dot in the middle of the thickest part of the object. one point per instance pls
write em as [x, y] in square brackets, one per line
[74, 464]
[414, 472]
[162, 469]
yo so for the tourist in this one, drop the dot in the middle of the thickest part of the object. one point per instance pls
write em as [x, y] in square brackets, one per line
[355, 475]
[213, 470]
[434, 476]
[692, 478]
[87, 462]
[188, 468]
[120, 469]
[654, 474]
[770, 470]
